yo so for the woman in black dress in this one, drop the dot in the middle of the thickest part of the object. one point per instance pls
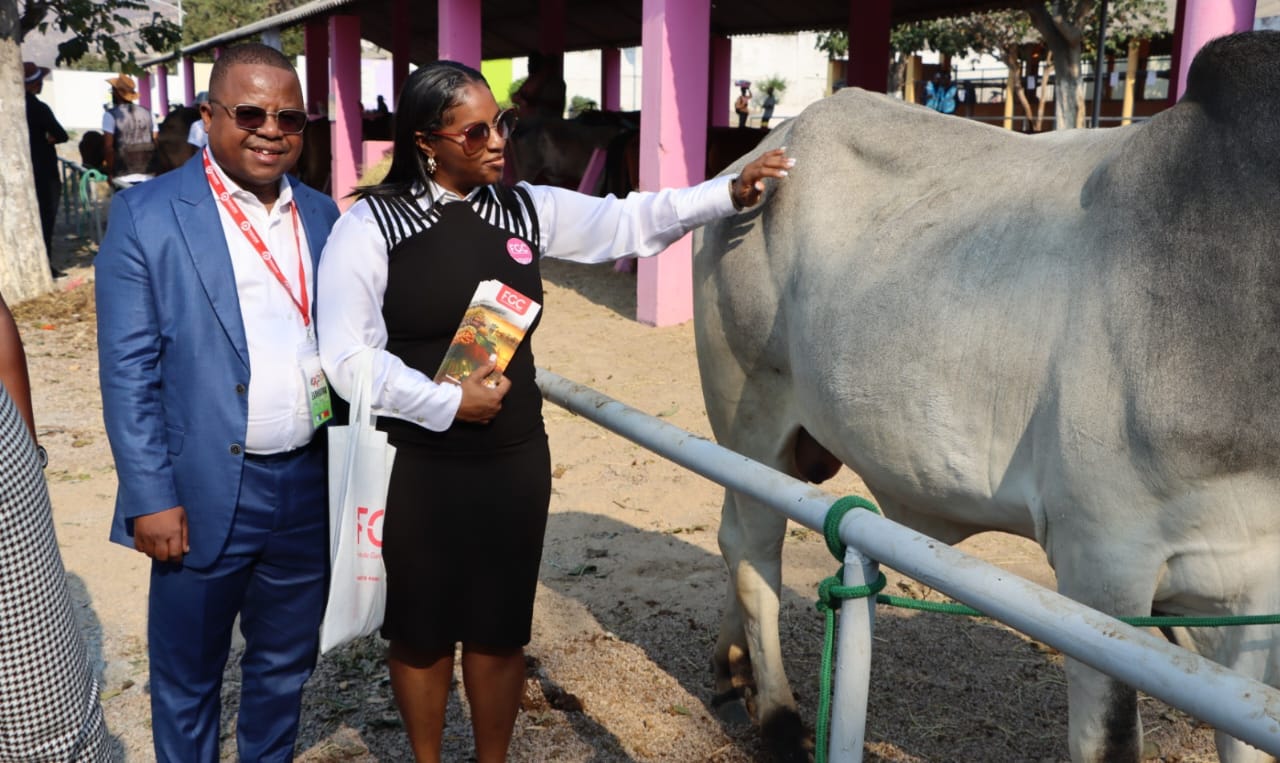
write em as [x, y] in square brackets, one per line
[471, 486]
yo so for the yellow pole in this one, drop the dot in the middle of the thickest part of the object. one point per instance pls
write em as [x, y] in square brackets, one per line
[1009, 98]
[1130, 80]
[913, 74]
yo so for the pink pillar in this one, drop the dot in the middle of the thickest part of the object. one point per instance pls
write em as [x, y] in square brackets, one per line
[1203, 20]
[400, 39]
[611, 79]
[162, 88]
[459, 22]
[189, 80]
[720, 95]
[315, 44]
[673, 141]
[346, 127]
[144, 91]
[869, 22]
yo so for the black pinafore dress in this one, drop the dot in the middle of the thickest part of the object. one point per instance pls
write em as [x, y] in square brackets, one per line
[467, 507]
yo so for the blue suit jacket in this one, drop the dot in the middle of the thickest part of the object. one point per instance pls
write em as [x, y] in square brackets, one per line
[172, 356]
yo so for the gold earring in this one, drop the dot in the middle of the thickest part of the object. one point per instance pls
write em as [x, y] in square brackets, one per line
[431, 165]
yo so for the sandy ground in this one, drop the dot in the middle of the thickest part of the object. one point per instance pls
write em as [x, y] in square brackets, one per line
[631, 585]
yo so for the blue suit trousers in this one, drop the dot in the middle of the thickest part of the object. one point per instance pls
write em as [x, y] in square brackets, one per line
[272, 573]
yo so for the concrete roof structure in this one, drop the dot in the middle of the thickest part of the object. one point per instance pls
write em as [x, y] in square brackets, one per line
[511, 28]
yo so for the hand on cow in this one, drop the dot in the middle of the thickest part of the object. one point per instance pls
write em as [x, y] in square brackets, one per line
[749, 186]
[482, 396]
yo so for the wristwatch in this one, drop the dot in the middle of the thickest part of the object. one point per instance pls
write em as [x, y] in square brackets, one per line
[42, 456]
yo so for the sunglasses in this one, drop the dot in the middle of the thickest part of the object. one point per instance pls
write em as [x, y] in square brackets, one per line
[252, 118]
[476, 136]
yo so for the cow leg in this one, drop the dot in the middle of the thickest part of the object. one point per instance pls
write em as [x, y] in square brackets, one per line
[1104, 724]
[1232, 750]
[751, 536]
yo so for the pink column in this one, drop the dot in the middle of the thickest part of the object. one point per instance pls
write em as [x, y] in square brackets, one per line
[459, 22]
[673, 141]
[346, 127]
[189, 80]
[400, 39]
[144, 91]
[720, 95]
[162, 89]
[611, 79]
[1203, 20]
[869, 22]
[315, 44]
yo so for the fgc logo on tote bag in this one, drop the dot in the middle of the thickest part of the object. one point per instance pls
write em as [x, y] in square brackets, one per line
[371, 528]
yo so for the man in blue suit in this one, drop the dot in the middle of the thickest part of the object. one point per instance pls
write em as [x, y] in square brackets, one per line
[213, 395]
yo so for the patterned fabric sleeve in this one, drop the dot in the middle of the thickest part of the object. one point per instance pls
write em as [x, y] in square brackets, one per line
[49, 709]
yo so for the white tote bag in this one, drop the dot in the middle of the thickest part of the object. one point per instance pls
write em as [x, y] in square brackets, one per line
[359, 470]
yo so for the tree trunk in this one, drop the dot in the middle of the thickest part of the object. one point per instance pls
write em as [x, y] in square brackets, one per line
[1062, 30]
[1042, 98]
[24, 265]
[1068, 95]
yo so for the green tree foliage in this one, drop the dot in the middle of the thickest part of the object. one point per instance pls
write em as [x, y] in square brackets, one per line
[581, 103]
[118, 30]
[208, 18]
[833, 42]
[773, 84]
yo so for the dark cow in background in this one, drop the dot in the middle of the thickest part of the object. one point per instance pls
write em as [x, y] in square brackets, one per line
[1071, 337]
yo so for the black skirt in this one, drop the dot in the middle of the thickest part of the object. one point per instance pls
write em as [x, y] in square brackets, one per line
[462, 543]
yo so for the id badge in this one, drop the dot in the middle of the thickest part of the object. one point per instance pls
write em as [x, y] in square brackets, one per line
[321, 407]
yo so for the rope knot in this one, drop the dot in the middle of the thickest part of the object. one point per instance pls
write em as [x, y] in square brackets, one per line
[831, 525]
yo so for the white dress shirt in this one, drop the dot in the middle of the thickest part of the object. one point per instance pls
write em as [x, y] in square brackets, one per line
[573, 226]
[279, 416]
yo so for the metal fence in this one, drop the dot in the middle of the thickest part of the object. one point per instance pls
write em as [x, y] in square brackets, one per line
[1230, 701]
[86, 196]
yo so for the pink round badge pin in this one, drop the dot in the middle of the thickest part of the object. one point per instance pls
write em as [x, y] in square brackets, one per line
[519, 251]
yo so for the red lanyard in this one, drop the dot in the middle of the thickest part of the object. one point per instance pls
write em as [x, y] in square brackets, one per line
[260, 246]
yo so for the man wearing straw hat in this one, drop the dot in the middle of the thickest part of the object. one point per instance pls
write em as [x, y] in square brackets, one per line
[127, 129]
[45, 132]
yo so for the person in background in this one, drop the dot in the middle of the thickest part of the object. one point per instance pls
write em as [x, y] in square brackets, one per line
[49, 707]
[128, 131]
[470, 490]
[770, 101]
[940, 94]
[742, 106]
[198, 134]
[212, 396]
[44, 132]
[542, 96]
[382, 105]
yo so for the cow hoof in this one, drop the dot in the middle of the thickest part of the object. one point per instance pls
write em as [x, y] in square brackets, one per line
[785, 737]
[731, 708]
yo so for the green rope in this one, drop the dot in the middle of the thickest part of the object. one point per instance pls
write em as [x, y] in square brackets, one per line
[832, 591]
[89, 176]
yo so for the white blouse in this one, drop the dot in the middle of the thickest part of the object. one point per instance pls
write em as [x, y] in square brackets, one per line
[352, 278]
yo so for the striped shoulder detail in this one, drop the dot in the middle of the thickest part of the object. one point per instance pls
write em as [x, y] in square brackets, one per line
[399, 217]
[511, 209]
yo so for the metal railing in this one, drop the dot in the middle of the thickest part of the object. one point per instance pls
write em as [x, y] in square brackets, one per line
[1230, 701]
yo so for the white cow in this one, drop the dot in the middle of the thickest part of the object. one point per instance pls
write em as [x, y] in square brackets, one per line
[1072, 337]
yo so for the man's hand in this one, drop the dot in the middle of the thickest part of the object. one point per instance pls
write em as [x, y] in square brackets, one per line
[480, 401]
[163, 535]
[749, 186]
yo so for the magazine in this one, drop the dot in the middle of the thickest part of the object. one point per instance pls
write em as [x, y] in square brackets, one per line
[493, 325]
